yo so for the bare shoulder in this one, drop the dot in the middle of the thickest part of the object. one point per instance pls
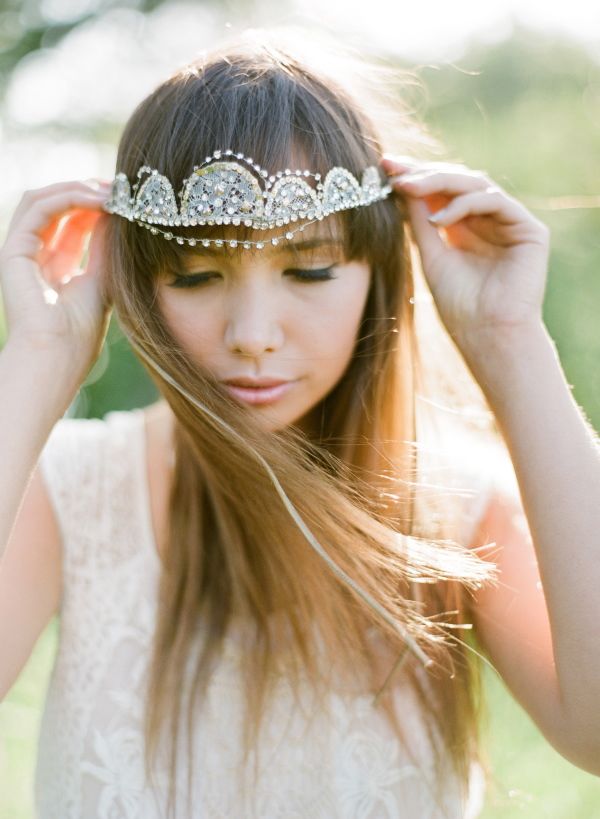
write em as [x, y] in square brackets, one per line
[159, 421]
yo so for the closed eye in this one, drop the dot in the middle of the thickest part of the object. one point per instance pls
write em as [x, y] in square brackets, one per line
[194, 279]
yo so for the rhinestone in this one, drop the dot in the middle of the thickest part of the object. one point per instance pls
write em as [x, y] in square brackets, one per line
[208, 158]
[259, 245]
[248, 222]
[233, 243]
[206, 242]
[217, 154]
[306, 173]
[274, 241]
[287, 171]
[228, 152]
[249, 160]
[264, 173]
[289, 235]
[271, 179]
[317, 176]
[219, 242]
[240, 156]
[180, 241]
[168, 235]
[247, 245]
[192, 242]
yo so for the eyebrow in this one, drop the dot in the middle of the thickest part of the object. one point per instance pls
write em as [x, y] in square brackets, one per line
[273, 250]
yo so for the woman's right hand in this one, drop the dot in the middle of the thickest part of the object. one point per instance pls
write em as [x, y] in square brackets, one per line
[40, 253]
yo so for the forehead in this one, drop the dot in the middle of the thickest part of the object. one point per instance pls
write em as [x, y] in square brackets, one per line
[315, 238]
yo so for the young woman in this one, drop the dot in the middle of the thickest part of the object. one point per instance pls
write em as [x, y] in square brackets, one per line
[265, 582]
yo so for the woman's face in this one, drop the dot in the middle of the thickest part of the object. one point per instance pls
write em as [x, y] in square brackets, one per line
[256, 314]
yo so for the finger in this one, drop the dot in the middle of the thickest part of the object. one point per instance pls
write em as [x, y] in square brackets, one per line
[423, 183]
[92, 280]
[30, 197]
[95, 263]
[69, 245]
[40, 213]
[48, 233]
[394, 163]
[492, 202]
[429, 241]
[403, 165]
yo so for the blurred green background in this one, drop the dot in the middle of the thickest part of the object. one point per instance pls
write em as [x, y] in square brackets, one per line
[525, 109]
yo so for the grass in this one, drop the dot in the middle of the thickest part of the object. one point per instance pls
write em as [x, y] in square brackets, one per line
[19, 724]
[531, 779]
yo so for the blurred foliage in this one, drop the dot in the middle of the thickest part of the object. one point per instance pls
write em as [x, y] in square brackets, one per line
[27, 27]
[525, 111]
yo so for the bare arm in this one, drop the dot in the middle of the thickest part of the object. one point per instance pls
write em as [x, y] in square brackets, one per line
[57, 316]
[485, 257]
[36, 391]
[556, 457]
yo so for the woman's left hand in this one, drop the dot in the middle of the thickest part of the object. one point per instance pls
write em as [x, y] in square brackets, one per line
[485, 258]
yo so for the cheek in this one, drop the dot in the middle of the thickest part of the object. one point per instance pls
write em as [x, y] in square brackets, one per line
[191, 324]
[337, 320]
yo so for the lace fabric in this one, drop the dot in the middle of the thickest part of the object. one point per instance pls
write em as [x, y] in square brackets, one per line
[344, 764]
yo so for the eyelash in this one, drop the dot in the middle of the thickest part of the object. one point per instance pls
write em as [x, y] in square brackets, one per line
[194, 279]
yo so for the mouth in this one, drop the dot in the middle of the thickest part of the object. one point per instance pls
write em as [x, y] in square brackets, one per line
[257, 394]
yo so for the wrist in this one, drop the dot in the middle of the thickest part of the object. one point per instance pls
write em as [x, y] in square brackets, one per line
[502, 345]
[502, 358]
[49, 369]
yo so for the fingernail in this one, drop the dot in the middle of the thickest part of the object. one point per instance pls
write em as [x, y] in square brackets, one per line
[438, 215]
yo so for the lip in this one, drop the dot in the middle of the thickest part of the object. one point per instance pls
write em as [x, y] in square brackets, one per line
[268, 394]
[252, 381]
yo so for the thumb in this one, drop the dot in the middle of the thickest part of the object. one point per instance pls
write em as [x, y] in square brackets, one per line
[96, 265]
[89, 282]
[431, 246]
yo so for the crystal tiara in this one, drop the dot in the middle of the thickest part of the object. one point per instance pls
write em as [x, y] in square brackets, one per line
[229, 192]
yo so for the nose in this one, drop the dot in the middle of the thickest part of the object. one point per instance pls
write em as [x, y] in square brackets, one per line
[252, 327]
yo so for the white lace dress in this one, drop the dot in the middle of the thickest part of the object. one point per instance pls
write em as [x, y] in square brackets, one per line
[344, 765]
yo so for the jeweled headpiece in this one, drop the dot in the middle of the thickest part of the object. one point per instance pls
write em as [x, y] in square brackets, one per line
[238, 191]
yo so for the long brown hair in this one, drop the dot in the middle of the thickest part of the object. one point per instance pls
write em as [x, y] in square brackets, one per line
[235, 555]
